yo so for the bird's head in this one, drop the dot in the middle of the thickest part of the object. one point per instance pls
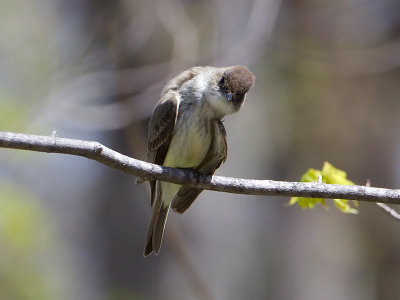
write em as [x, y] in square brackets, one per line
[228, 87]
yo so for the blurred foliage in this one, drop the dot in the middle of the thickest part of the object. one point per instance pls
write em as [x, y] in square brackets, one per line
[12, 114]
[330, 175]
[21, 240]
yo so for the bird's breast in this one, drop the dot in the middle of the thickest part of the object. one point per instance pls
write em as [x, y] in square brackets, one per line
[190, 143]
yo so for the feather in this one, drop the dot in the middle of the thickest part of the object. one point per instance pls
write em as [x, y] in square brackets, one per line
[215, 157]
[157, 225]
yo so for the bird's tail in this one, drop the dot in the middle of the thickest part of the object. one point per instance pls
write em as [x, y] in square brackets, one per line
[157, 225]
[156, 229]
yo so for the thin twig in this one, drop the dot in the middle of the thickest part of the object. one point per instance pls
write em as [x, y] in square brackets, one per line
[389, 210]
[179, 249]
[148, 171]
[393, 213]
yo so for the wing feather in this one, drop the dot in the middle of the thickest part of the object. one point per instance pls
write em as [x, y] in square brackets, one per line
[161, 129]
[163, 120]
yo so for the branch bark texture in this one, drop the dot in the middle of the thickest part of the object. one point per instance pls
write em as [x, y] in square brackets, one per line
[148, 171]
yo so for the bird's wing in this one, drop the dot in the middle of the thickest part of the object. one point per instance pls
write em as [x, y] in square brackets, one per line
[216, 155]
[163, 121]
[218, 150]
[161, 129]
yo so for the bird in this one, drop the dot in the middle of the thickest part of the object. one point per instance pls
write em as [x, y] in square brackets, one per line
[186, 131]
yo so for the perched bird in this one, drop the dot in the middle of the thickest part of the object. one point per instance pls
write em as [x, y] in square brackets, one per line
[186, 131]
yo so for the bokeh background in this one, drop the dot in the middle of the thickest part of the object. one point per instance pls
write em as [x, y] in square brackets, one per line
[327, 89]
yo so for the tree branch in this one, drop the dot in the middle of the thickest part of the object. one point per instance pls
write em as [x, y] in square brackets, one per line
[148, 171]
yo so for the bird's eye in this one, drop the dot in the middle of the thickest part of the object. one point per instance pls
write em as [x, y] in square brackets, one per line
[221, 81]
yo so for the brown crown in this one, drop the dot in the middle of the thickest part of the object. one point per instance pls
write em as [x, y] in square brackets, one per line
[237, 80]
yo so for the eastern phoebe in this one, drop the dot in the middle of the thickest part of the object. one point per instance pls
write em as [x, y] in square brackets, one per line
[186, 131]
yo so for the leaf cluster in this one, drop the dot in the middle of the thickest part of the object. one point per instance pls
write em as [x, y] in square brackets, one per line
[330, 175]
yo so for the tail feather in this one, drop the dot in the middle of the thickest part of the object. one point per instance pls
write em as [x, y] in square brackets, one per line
[157, 226]
[185, 198]
[149, 239]
[165, 192]
[149, 244]
[156, 230]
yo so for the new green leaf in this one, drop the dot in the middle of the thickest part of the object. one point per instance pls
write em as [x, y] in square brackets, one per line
[330, 175]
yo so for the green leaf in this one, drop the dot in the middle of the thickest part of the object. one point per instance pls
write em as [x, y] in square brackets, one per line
[329, 175]
[332, 175]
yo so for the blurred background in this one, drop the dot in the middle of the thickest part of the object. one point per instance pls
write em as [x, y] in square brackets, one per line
[327, 89]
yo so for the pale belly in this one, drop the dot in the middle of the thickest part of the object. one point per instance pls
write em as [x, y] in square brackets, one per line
[188, 148]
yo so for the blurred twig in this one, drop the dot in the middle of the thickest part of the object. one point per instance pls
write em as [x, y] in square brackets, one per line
[148, 171]
[249, 34]
[184, 34]
[80, 112]
[181, 253]
[348, 62]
